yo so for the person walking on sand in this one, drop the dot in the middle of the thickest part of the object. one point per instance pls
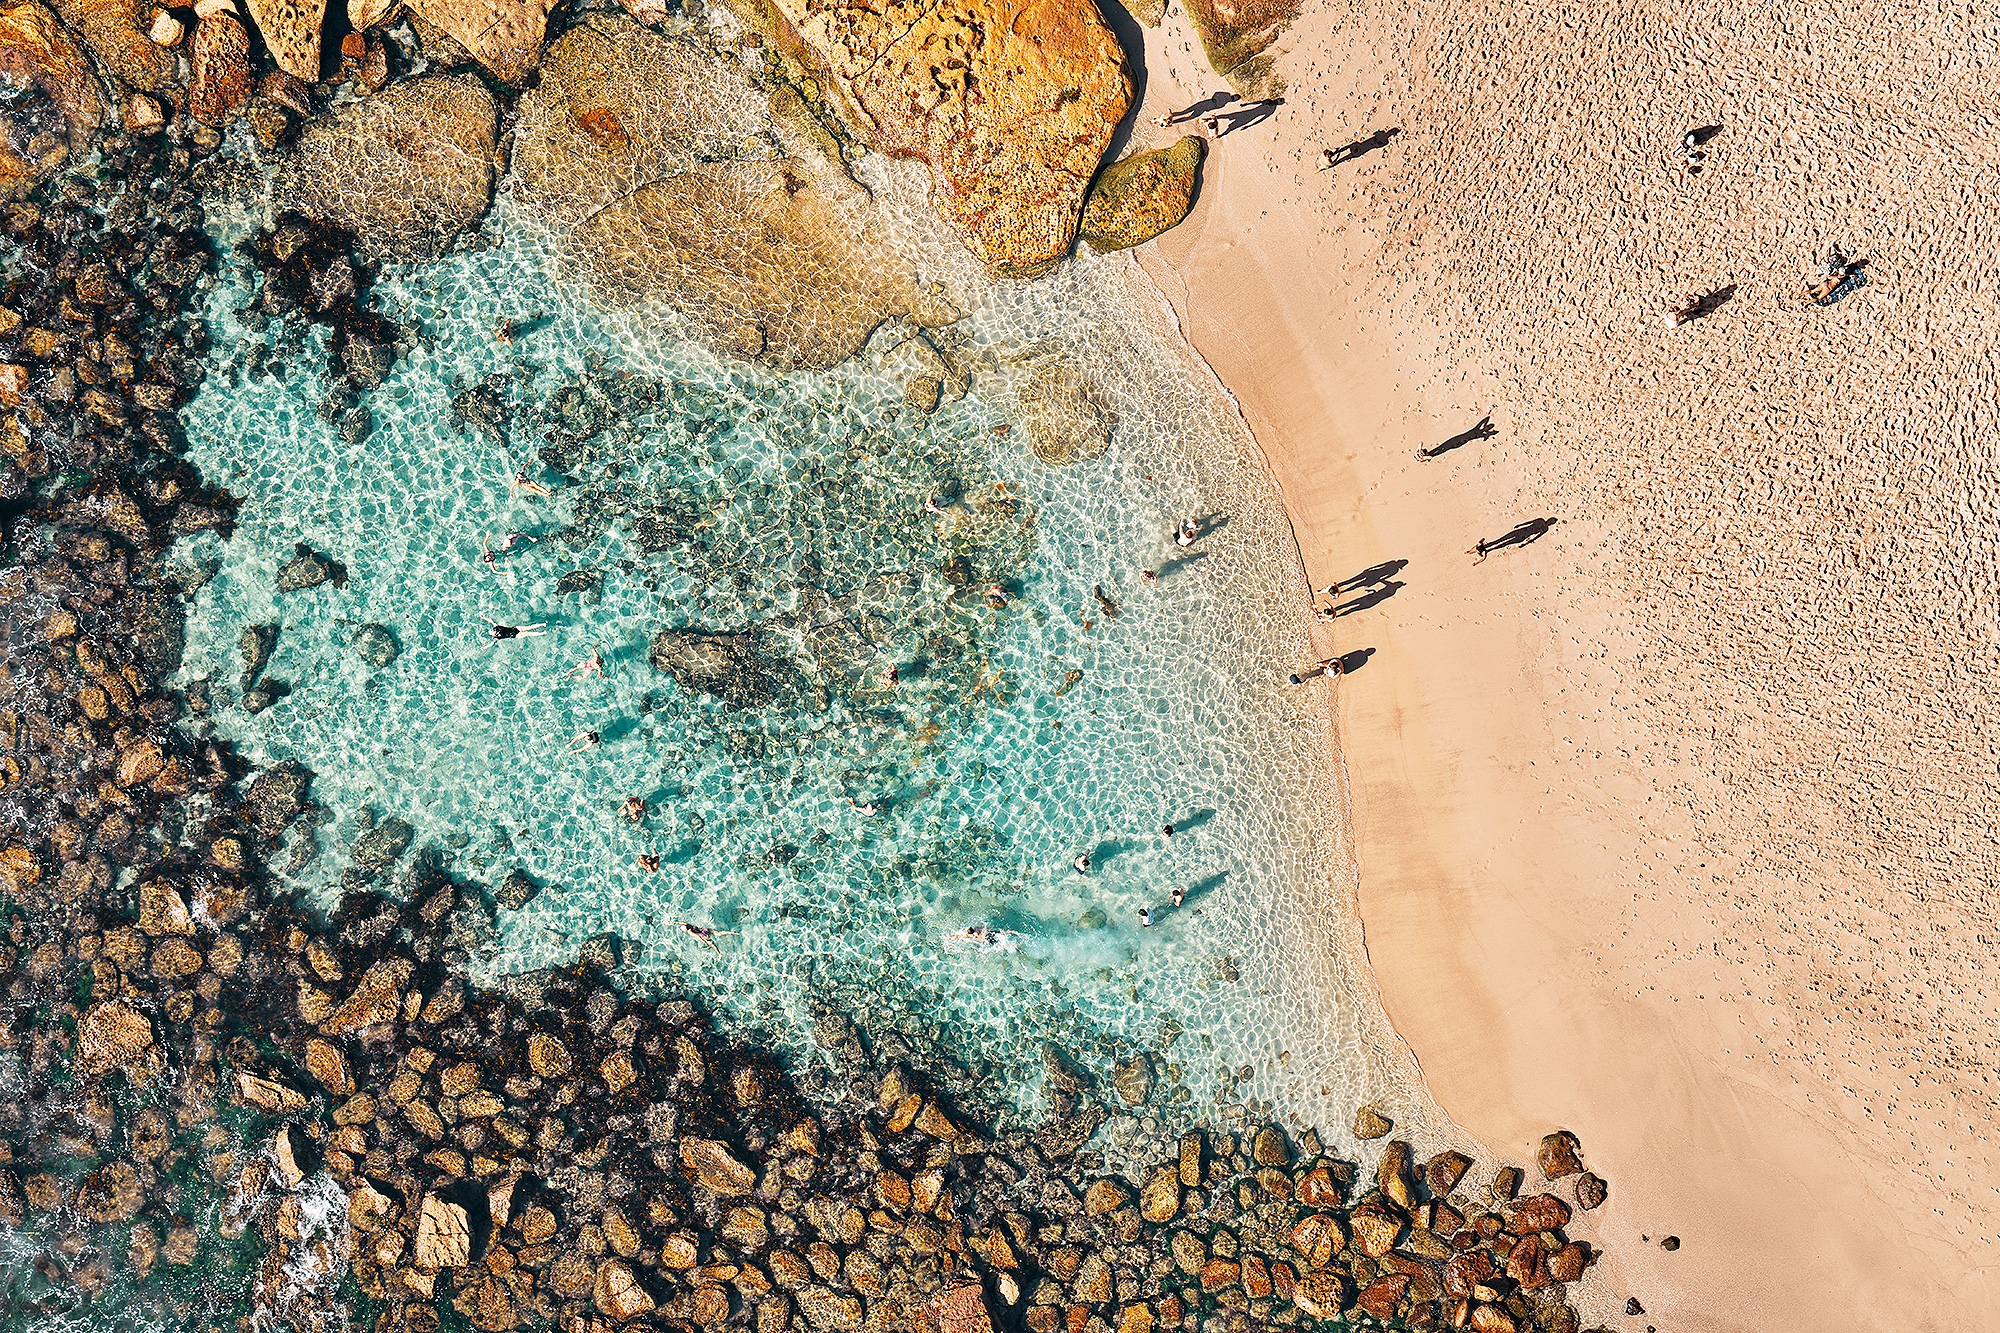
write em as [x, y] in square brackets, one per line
[516, 631]
[592, 665]
[1328, 159]
[634, 809]
[582, 743]
[1212, 125]
[530, 485]
[1082, 863]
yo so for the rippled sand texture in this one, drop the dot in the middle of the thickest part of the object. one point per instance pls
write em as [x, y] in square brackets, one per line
[1705, 781]
[717, 495]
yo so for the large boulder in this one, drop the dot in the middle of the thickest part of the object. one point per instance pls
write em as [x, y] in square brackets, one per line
[409, 171]
[112, 1035]
[110, 28]
[1011, 103]
[290, 29]
[672, 179]
[62, 107]
[1136, 199]
[220, 65]
[1237, 35]
[503, 35]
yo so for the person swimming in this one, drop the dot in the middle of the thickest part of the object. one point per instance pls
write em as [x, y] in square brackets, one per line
[982, 938]
[516, 631]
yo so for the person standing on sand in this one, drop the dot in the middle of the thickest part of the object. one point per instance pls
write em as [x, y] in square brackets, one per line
[1213, 125]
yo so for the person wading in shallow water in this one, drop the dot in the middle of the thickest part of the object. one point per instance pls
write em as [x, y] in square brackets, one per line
[634, 809]
[1082, 864]
[1180, 895]
[648, 862]
[1145, 916]
[1332, 666]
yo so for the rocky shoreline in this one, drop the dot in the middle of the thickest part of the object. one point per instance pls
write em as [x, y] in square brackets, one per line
[223, 1108]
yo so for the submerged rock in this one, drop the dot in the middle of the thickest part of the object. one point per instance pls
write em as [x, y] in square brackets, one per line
[1136, 199]
[408, 171]
[110, 28]
[308, 569]
[1010, 106]
[728, 666]
[376, 645]
[36, 54]
[1067, 420]
[1370, 1123]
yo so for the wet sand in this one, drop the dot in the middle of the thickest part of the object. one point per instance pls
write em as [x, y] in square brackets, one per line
[1670, 826]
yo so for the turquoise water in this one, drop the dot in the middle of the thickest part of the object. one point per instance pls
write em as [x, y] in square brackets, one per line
[719, 494]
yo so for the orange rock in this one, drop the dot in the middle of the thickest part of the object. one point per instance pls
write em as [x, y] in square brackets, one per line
[1568, 1263]
[1559, 1155]
[1317, 1238]
[1528, 1263]
[1538, 1212]
[602, 125]
[1321, 1294]
[1318, 1189]
[1219, 1273]
[222, 80]
[1256, 1276]
[1381, 1297]
[1010, 105]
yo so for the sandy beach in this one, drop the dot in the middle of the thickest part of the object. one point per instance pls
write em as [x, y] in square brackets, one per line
[1672, 824]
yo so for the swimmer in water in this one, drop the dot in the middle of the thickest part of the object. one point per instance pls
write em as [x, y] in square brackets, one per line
[634, 809]
[531, 486]
[583, 742]
[592, 665]
[996, 597]
[931, 505]
[1082, 864]
[702, 933]
[890, 677]
[1180, 895]
[648, 862]
[1166, 830]
[516, 631]
[866, 807]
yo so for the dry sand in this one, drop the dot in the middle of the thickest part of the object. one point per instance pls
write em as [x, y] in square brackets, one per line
[1677, 826]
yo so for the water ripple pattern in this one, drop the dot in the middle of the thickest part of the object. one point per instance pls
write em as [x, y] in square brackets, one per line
[690, 491]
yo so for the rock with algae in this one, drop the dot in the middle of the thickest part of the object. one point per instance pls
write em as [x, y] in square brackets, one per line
[408, 171]
[670, 180]
[1136, 199]
[110, 28]
[1237, 36]
[1010, 104]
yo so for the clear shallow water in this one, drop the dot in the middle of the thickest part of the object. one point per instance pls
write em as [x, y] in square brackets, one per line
[721, 495]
